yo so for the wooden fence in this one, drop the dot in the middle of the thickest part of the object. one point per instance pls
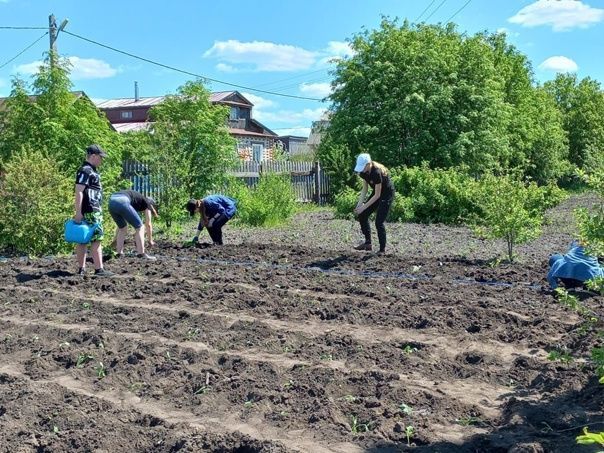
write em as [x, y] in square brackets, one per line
[309, 180]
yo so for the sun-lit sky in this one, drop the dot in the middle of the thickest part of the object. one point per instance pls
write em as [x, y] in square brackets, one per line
[281, 46]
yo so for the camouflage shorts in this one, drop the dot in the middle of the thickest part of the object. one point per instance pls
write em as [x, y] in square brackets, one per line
[92, 218]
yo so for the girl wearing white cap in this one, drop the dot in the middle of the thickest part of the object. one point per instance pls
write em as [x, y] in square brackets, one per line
[377, 177]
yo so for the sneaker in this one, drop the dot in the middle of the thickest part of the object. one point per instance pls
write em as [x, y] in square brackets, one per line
[363, 246]
[146, 257]
[102, 272]
[81, 271]
[381, 252]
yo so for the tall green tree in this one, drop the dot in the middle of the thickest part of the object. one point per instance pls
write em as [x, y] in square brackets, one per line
[192, 148]
[427, 93]
[48, 117]
[582, 106]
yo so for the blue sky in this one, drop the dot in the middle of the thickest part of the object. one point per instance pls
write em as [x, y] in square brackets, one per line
[281, 46]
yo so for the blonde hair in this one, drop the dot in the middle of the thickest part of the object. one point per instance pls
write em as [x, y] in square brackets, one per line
[381, 167]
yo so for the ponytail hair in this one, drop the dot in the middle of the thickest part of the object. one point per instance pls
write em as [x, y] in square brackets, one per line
[381, 167]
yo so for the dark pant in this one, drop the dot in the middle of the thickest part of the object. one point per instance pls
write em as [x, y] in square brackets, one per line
[382, 208]
[215, 230]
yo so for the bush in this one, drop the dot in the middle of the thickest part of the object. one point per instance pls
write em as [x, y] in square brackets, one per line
[441, 196]
[346, 201]
[36, 200]
[510, 211]
[591, 221]
[271, 203]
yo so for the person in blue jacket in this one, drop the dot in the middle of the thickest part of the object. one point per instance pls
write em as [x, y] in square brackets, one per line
[215, 211]
[574, 268]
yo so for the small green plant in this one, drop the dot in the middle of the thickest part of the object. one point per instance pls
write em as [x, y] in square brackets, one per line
[405, 409]
[55, 429]
[570, 301]
[83, 359]
[248, 404]
[408, 349]
[357, 427]
[289, 384]
[192, 334]
[135, 386]
[101, 370]
[202, 390]
[588, 438]
[349, 398]
[326, 356]
[86, 305]
[560, 356]
[597, 355]
[469, 421]
[409, 433]
[596, 285]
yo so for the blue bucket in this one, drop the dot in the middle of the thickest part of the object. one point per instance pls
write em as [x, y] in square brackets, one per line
[79, 233]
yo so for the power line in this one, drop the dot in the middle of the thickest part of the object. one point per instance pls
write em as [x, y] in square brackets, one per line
[23, 51]
[188, 72]
[437, 8]
[424, 11]
[458, 11]
[292, 78]
[23, 28]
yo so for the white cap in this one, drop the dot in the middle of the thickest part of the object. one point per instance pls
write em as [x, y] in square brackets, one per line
[362, 160]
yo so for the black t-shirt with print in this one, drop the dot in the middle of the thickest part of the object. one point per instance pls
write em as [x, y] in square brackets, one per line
[137, 200]
[93, 193]
[377, 176]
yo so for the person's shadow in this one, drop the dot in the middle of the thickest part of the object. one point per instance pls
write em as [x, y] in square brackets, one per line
[24, 277]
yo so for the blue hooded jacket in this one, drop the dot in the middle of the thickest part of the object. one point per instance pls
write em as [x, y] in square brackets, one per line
[219, 204]
[575, 264]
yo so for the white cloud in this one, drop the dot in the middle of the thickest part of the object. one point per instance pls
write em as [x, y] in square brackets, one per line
[320, 90]
[81, 68]
[300, 131]
[559, 64]
[29, 68]
[561, 15]
[508, 32]
[261, 56]
[339, 49]
[90, 68]
[225, 68]
[289, 116]
[258, 101]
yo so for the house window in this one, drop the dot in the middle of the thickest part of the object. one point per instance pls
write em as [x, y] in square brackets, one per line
[234, 113]
[126, 115]
[258, 151]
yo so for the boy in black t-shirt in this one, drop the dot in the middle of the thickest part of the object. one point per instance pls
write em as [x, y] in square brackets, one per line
[88, 200]
[377, 177]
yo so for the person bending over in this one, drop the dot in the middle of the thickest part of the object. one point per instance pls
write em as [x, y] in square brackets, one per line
[376, 176]
[215, 211]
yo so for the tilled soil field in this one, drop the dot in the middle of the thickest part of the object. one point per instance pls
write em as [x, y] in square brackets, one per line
[275, 348]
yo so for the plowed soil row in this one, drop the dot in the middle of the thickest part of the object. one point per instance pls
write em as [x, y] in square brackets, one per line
[269, 348]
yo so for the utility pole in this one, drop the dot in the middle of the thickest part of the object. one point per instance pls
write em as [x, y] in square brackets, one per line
[53, 33]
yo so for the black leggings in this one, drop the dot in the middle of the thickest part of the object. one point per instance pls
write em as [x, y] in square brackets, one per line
[382, 206]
